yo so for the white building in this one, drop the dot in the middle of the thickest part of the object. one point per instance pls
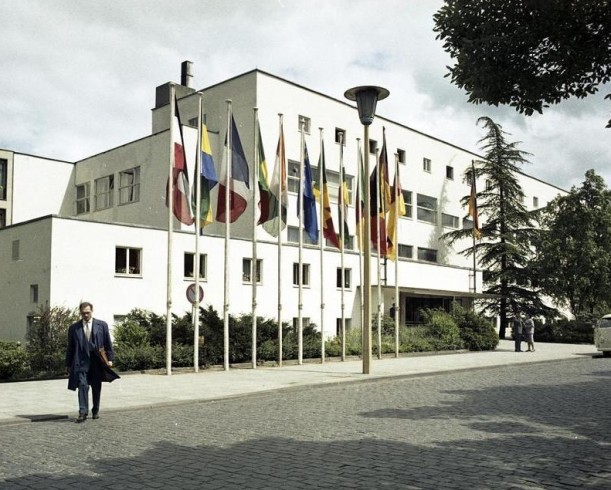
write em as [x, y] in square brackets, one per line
[96, 229]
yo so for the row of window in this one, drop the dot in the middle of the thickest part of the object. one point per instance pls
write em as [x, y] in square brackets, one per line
[104, 191]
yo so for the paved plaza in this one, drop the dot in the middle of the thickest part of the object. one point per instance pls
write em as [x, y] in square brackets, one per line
[514, 425]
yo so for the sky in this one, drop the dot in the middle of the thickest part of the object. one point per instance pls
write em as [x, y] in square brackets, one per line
[79, 78]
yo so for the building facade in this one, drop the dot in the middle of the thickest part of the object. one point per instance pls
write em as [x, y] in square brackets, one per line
[96, 229]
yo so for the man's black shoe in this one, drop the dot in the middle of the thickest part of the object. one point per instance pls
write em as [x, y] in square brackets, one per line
[95, 416]
[81, 418]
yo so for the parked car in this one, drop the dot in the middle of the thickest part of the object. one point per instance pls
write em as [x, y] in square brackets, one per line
[602, 335]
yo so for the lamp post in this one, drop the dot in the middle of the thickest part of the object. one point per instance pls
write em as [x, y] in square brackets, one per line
[366, 98]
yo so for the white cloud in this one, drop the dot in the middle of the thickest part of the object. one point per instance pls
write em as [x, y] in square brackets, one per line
[80, 77]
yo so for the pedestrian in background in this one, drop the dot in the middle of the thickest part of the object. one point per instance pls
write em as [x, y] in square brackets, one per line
[517, 332]
[88, 360]
[529, 333]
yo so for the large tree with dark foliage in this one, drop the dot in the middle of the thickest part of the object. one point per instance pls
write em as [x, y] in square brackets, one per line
[527, 53]
[573, 248]
[504, 250]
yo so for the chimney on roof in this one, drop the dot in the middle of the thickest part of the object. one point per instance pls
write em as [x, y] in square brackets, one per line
[186, 74]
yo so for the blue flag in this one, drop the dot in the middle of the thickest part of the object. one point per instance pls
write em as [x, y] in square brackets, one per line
[310, 219]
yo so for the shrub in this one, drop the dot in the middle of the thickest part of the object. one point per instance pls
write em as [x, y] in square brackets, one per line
[139, 358]
[131, 334]
[565, 331]
[14, 360]
[476, 332]
[47, 339]
[442, 329]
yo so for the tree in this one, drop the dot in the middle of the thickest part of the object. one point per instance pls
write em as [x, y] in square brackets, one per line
[573, 258]
[527, 53]
[507, 229]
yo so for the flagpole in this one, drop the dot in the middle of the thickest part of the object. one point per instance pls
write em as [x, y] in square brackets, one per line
[322, 246]
[397, 304]
[379, 201]
[227, 231]
[170, 200]
[280, 182]
[198, 196]
[253, 273]
[361, 240]
[342, 221]
[300, 273]
[473, 236]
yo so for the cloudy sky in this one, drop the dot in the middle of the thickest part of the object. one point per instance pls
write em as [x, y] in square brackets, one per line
[79, 77]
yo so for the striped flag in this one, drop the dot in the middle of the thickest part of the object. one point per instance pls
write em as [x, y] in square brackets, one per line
[477, 231]
[265, 194]
[343, 199]
[208, 179]
[360, 203]
[322, 189]
[397, 209]
[278, 199]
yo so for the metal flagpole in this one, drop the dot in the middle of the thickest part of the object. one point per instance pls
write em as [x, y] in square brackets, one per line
[227, 231]
[198, 197]
[253, 265]
[378, 255]
[170, 199]
[473, 186]
[397, 304]
[281, 175]
[322, 246]
[361, 239]
[300, 272]
[342, 218]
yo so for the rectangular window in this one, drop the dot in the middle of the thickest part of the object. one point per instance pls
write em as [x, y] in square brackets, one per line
[2, 218]
[449, 172]
[488, 184]
[15, 250]
[407, 197]
[82, 198]
[293, 236]
[3, 178]
[305, 274]
[535, 202]
[467, 224]
[347, 278]
[305, 322]
[373, 146]
[189, 265]
[340, 136]
[427, 209]
[247, 270]
[305, 123]
[293, 177]
[33, 293]
[338, 325]
[449, 221]
[426, 165]
[127, 261]
[104, 189]
[427, 254]
[401, 155]
[129, 186]
[406, 251]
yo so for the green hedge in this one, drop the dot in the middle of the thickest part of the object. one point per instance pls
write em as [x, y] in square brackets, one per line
[565, 331]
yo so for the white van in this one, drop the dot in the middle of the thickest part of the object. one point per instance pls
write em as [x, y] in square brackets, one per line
[602, 335]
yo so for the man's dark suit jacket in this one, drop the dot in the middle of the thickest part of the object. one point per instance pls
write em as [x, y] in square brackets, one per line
[77, 348]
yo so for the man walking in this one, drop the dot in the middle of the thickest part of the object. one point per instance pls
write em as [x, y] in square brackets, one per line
[517, 332]
[89, 347]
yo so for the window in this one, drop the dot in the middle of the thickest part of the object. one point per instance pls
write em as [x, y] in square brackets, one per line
[3, 178]
[488, 184]
[347, 278]
[293, 236]
[449, 172]
[189, 265]
[340, 136]
[426, 165]
[129, 186]
[348, 242]
[305, 274]
[449, 221]
[304, 122]
[373, 146]
[535, 202]
[247, 270]
[427, 254]
[305, 322]
[293, 177]
[467, 224]
[127, 261]
[82, 198]
[338, 325]
[2, 218]
[33, 293]
[104, 189]
[401, 155]
[406, 251]
[427, 208]
[407, 197]
[15, 250]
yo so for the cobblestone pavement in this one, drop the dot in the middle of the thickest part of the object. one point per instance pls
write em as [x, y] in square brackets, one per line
[521, 427]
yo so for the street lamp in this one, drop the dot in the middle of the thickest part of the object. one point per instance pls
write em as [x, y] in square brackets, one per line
[366, 98]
